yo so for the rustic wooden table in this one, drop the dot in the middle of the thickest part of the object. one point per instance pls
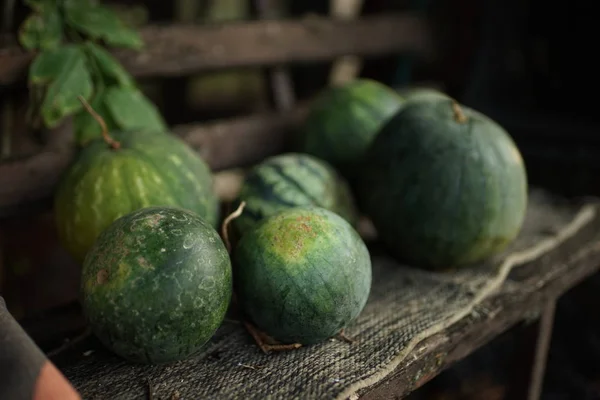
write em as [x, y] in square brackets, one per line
[529, 295]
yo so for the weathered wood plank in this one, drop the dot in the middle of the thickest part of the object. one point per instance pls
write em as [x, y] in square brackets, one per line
[26, 182]
[510, 306]
[182, 49]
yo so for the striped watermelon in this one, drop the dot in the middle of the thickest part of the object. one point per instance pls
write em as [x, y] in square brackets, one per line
[343, 121]
[149, 169]
[291, 180]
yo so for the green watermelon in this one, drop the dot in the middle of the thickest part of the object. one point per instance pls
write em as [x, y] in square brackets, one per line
[444, 185]
[343, 121]
[156, 284]
[422, 94]
[292, 180]
[302, 275]
[149, 169]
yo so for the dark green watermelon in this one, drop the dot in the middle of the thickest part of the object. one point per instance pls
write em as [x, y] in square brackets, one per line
[149, 169]
[422, 94]
[444, 185]
[156, 284]
[302, 275]
[343, 121]
[292, 180]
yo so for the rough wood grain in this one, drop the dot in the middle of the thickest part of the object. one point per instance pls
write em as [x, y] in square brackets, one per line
[281, 82]
[27, 184]
[182, 49]
[27, 180]
[516, 302]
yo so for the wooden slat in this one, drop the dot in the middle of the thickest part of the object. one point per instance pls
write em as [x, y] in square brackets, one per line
[24, 183]
[27, 180]
[280, 78]
[179, 50]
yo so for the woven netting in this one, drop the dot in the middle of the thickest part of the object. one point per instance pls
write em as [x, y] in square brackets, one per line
[406, 306]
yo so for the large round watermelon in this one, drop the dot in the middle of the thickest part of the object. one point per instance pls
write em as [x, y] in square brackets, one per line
[343, 121]
[149, 169]
[302, 275]
[291, 180]
[156, 284]
[444, 185]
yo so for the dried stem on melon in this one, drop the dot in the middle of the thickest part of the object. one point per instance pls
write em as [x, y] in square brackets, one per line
[342, 336]
[264, 341]
[105, 135]
[227, 222]
[459, 115]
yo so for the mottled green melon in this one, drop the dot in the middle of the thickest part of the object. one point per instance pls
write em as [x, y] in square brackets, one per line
[156, 284]
[343, 121]
[302, 275]
[150, 169]
[444, 185]
[292, 180]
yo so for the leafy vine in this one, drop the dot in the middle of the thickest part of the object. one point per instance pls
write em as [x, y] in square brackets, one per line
[71, 61]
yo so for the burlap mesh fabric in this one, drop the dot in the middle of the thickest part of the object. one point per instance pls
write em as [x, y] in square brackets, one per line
[406, 306]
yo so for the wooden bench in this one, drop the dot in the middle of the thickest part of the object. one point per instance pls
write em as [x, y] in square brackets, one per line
[27, 182]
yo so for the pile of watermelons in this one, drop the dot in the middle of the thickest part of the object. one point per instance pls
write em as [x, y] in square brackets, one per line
[444, 186]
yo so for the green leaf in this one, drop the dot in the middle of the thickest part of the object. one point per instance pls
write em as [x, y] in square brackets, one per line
[99, 22]
[109, 67]
[86, 127]
[48, 64]
[133, 111]
[61, 97]
[41, 30]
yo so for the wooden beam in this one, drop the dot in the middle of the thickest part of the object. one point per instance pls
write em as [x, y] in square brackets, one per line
[542, 348]
[509, 307]
[24, 181]
[183, 49]
[530, 356]
[28, 182]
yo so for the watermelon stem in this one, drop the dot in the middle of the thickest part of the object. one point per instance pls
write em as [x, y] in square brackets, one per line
[227, 221]
[342, 336]
[260, 338]
[459, 115]
[107, 138]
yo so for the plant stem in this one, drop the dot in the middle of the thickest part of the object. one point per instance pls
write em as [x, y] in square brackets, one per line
[459, 115]
[107, 138]
[225, 226]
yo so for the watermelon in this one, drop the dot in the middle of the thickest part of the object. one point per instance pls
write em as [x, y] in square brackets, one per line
[292, 180]
[149, 169]
[302, 275]
[156, 284]
[422, 94]
[444, 185]
[343, 121]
